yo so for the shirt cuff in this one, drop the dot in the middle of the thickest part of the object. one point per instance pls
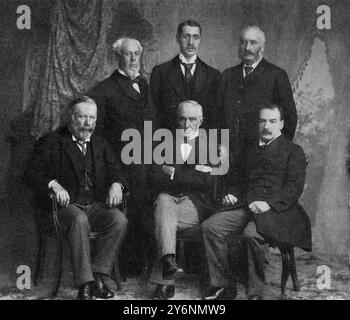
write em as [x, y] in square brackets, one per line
[52, 183]
[119, 184]
[172, 175]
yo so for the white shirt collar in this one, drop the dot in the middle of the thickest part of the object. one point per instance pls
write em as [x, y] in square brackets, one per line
[125, 74]
[183, 59]
[75, 139]
[254, 65]
[261, 143]
[193, 136]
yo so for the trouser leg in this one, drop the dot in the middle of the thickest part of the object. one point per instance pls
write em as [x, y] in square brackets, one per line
[215, 230]
[111, 227]
[170, 214]
[75, 224]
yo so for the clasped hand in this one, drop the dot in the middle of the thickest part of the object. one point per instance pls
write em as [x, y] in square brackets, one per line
[258, 207]
[115, 195]
[229, 200]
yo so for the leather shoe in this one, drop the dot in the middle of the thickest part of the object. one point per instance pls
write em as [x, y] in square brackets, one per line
[169, 267]
[163, 292]
[101, 291]
[84, 292]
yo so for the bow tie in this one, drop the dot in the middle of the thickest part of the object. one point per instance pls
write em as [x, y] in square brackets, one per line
[136, 80]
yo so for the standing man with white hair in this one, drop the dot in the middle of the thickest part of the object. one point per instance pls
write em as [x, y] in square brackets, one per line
[124, 102]
[251, 84]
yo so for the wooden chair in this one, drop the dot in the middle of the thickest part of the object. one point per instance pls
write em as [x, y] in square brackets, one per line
[288, 268]
[193, 236]
[287, 257]
[54, 231]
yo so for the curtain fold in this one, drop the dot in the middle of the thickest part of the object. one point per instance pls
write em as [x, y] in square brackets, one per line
[75, 57]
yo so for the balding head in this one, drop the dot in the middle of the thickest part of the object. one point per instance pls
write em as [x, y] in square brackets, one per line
[252, 44]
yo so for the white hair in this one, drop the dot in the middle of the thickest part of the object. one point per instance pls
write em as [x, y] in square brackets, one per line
[258, 30]
[193, 104]
[119, 43]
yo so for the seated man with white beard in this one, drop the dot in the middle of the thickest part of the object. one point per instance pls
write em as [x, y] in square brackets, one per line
[84, 174]
[183, 194]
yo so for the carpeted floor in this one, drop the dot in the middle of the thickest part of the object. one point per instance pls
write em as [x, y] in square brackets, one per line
[187, 285]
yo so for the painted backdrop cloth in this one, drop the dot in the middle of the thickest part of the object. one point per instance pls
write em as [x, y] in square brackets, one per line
[75, 57]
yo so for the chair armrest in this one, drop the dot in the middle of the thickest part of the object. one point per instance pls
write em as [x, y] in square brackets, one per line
[125, 202]
[53, 198]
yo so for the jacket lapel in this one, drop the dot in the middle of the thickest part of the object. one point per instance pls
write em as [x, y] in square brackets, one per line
[70, 149]
[258, 72]
[97, 154]
[176, 78]
[126, 86]
[201, 76]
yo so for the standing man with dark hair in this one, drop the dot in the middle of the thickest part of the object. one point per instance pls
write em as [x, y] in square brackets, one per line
[124, 102]
[85, 176]
[254, 83]
[185, 77]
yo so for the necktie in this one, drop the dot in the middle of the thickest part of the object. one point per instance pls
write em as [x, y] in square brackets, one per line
[83, 146]
[188, 74]
[248, 69]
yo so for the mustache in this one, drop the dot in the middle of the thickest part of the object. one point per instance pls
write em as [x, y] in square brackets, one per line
[85, 129]
[266, 132]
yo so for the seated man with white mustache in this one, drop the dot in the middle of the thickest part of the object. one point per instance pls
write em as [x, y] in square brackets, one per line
[182, 197]
[84, 174]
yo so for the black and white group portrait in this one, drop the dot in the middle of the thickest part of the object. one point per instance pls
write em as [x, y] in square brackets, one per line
[174, 150]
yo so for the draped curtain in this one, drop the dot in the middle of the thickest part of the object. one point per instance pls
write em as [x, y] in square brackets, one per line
[75, 59]
[76, 54]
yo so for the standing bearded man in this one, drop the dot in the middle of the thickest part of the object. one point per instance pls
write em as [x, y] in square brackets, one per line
[125, 103]
[253, 83]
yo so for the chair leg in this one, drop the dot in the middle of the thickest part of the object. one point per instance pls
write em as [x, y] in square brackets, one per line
[116, 273]
[60, 265]
[285, 270]
[181, 257]
[293, 270]
[40, 260]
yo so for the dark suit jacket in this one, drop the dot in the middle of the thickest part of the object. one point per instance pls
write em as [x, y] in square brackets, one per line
[239, 100]
[276, 175]
[168, 91]
[199, 186]
[121, 107]
[55, 158]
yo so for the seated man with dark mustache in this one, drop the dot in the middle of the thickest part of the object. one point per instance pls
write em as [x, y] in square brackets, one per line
[84, 174]
[264, 185]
